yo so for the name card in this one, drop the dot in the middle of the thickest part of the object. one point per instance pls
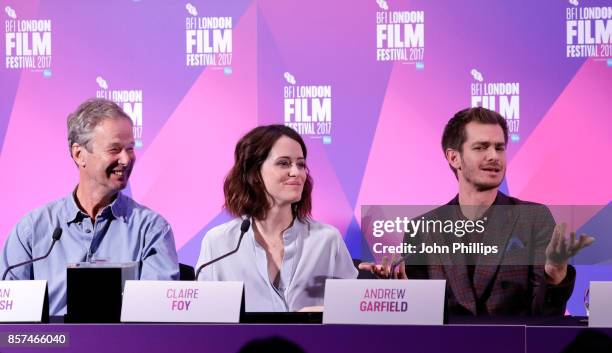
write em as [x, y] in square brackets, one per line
[182, 301]
[23, 301]
[600, 306]
[384, 302]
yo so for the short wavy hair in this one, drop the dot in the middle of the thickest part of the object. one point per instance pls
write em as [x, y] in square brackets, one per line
[87, 116]
[244, 189]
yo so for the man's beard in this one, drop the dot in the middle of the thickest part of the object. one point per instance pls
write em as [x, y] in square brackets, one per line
[487, 187]
[479, 186]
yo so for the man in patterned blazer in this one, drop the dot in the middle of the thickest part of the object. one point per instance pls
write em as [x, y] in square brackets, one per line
[529, 274]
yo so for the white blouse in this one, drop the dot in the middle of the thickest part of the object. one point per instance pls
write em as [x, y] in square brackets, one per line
[314, 252]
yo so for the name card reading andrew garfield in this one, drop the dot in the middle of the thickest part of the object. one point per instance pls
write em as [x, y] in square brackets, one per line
[181, 301]
[600, 306]
[22, 301]
[384, 302]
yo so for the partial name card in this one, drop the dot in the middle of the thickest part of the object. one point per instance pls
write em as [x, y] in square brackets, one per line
[600, 306]
[23, 301]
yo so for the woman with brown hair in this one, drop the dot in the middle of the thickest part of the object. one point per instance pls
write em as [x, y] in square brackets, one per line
[285, 256]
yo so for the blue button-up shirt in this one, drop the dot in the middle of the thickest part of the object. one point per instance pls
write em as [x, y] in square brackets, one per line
[123, 231]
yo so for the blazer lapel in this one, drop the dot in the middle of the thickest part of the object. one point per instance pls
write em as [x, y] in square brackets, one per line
[499, 228]
[459, 281]
[455, 267]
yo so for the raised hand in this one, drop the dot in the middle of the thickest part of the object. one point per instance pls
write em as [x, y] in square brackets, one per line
[560, 249]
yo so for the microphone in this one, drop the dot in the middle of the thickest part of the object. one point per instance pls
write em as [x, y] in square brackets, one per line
[244, 227]
[57, 234]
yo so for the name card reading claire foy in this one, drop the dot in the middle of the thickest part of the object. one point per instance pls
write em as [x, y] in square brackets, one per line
[22, 301]
[600, 306]
[384, 302]
[182, 301]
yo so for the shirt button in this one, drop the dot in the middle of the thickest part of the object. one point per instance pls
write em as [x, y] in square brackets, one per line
[87, 230]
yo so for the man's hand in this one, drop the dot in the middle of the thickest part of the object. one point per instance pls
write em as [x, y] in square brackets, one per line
[383, 270]
[560, 249]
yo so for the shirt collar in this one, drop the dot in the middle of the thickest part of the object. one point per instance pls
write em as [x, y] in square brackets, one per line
[72, 212]
[292, 232]
[118, 207]
[500, 199]
[289, 235]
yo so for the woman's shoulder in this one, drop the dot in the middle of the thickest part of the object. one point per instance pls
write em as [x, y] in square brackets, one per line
[323, 231]
[227, 230]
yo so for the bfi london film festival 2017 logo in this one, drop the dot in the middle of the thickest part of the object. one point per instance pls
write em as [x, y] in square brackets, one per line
[308, 109]
[208, 40]
[128, 99]
[502, 97]
[589, 32]
[28, 43]
[400, 36]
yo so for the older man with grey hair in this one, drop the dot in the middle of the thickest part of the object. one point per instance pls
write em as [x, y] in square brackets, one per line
[98, 222]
